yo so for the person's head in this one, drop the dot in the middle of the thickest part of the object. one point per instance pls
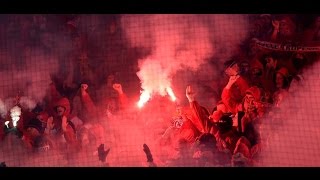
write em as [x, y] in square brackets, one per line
[287, 26]
[216, 115]
[232, 68]
[62, 107]
[60, 110]
[266, 96]
[43, 118]
[299, 61]
[34, 128]
[271, 61]
[218, 111]
[256, 69]
[253, 95]
[244, 67]
[33, 132]
[253, 48]
[281, 80]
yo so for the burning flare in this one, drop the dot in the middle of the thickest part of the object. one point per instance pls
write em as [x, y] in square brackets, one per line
[7, 124]
[144, 97]
[171, 94]
[15, 114]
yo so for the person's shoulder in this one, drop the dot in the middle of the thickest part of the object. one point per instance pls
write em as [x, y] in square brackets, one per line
[243, 82]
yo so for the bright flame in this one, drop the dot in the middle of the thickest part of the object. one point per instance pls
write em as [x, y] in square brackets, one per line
[15, 113]
[7, 124]
[171, 94]
[144, 97]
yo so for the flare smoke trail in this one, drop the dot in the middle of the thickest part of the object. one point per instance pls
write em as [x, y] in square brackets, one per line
[31, 80]
[179, 42]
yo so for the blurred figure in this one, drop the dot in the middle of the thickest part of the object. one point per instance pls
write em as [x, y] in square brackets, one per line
[90, 130]
[256, 74]
[249, 126]
[226, 137]
[176, 123]
[218, 111]
[234, 91]
[107, 91]
[89, 110]
[272, 63]
[194, 124]
[59, 127]
[52, 96]
[119, 103]
[34, 135]
[207, 154]
[299, 61]
[282, 81]
[285, 29]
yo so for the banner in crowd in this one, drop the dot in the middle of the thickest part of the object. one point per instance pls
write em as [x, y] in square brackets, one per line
[285, 47]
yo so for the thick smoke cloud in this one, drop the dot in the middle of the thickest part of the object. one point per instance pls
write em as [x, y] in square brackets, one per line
[180, 43]
[292, 133]
[183, 49]
[32, 78]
